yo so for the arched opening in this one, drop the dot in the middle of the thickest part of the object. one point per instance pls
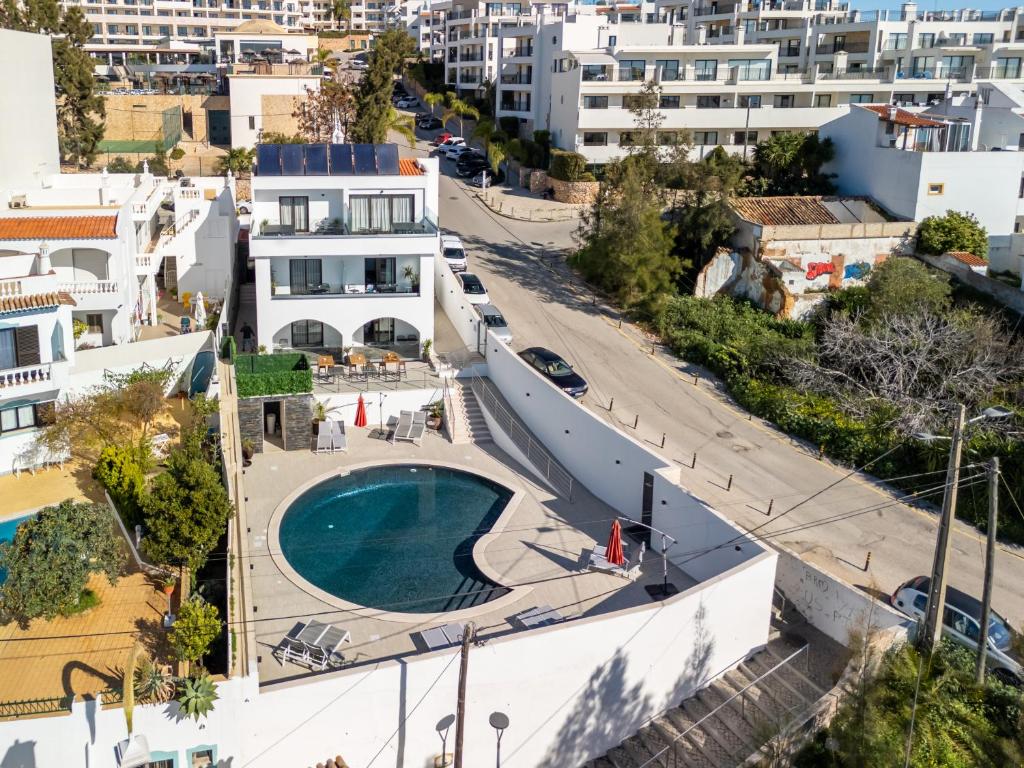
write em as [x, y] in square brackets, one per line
[390, 334]
[311, 336]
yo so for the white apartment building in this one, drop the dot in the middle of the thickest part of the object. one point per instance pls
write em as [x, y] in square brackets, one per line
[732, 76]
[344, 238]
[964, 154]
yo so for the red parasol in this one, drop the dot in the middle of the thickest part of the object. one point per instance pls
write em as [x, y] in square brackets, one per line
[613, 552]
[361, 413]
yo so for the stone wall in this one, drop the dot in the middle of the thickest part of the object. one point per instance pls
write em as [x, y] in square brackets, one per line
[278, 111]
[575, 192]
[354, 41]
[297, 423]
[139, 118]
[538, 182]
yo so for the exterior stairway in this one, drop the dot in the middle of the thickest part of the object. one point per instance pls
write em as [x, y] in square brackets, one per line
[734, 731]
[468, 424]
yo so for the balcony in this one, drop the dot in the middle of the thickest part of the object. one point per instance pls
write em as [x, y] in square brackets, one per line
[344, 227]
[520, 79]
[349, 290]
[29, 380]
[522, 52]
[515, 106]
[850, 46]
[92, 294]
[471, 57]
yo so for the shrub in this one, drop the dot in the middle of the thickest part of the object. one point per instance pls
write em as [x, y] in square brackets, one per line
[567, 166]
[509, 125]
[259, 375]
[229, 348]
[197, 626]
[196, 697]
[953, 232]
[121, 469]
[177, 153]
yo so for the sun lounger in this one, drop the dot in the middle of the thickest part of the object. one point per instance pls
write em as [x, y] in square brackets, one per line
[323, 437]
[314, 645]
[630, 569]
[417, 427]
[338, 440]
[403, 428]
[442, 637]
[540, 616]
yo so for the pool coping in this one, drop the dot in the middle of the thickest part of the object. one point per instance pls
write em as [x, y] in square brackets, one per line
[515, 593]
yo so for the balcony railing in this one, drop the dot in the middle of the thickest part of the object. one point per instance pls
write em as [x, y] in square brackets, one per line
[520, 79]
[88, 287]
[471, 57]
[850, 46]
[26, 374]
[1012, 72]
[329, 290]
[523, 52]
[878, 73]
[515, 106]
[345, 227]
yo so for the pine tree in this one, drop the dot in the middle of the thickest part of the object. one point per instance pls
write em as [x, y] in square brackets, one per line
[374, 113]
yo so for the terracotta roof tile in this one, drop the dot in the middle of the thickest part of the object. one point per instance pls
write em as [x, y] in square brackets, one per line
[900, 116]
[965, 257]
[783, 211]
[34, 301]
[58, 228]
[409, 167]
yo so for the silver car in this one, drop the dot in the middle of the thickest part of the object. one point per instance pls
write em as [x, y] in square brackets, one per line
[494, 321]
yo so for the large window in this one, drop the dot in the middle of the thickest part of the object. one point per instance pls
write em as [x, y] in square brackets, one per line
[294, 213]
[21, 417]
[308, 333]
[751, 69]
[705, 69]
[1007, 68]
[709, 102]
[783, 101]
[956, 66]
[595, 139]
[982, 38]
[378, 213]
[632, 69]
[669, 102]
[668, 69]
[304, 275]
[595, 102]
[380, 273]
[703, 138]
[861, 98]
[19, 347]
[926, 40]
[750, 102]
[823, 100]
[896, 41]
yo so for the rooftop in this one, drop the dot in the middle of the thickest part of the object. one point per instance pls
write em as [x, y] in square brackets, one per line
[968, 258]
[58, 227]
[34, 301]
[799, 210]
[900, 116]
[333, 160]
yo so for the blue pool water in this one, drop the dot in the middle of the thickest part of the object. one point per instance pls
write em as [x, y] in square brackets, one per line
[7, 528]
[202, 371]
[398, 537]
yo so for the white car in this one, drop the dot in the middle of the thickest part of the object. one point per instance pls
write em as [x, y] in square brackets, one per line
[472, 288]
[494, 321]
[407, 102]
[450, 143]
[357, 64]
[454, 253]
[455, 151]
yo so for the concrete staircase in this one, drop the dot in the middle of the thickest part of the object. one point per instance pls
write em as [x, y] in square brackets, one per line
[469, 425]
[735, 731]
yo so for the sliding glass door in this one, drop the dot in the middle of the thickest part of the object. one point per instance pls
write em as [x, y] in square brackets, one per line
[305, 275]
[379, 213]
[307, 333]
[294, 213]
[380, 273]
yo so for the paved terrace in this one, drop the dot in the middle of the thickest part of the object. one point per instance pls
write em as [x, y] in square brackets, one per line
[542, 541]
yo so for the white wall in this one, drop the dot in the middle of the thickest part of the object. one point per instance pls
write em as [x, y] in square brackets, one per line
[247, 92]
[28, 130]
[460, 312]
[342, 407]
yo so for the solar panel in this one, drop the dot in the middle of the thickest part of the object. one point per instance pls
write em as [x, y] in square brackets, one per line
[268, 160]
[341, 159]
[291, 159]
[387, 159]
[366, 162]
[316, 159]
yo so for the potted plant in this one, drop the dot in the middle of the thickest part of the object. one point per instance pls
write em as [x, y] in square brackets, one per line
[248, 449]
[167, 586]
[410, 274]
[427, 346]
[319, 415]
[435, 414]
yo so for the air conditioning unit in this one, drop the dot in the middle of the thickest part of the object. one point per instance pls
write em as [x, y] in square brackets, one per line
[19, 201]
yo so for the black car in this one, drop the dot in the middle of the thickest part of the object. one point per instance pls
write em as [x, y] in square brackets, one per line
[429, 124]
[556, 370]
[472, 166]
[419, 117]
[492, 178]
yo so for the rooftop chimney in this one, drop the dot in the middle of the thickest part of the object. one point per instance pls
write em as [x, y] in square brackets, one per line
[892, 113]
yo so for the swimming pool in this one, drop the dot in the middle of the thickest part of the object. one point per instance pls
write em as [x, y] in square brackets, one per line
[7, 529]
[398, 537]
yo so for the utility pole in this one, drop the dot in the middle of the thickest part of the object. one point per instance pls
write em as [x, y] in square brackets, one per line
[990, 567]
[937, 586]
[460, 712]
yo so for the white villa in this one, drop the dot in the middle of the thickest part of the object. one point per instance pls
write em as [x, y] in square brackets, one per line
[344, 239]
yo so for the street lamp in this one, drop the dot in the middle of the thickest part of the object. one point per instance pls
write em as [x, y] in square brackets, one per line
[442, 728]
[499, 722]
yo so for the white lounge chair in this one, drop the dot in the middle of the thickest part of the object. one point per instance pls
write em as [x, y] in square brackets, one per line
[323, 437]
[597, 560]
[540, 616]
[403, 428]
[338, 440]
[416, 429]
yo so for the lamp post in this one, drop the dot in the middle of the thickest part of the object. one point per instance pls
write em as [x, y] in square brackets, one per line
[664, 589]
[499, 722]
[442, 728]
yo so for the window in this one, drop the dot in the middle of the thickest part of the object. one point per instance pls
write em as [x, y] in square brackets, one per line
[896, 41]
[613, 40]
[956, 66]
[21, 417]
[1020, 192]
[920, 602]
[958, 38]
[926, 40]
[923, 65]
[705, 69]
[1009, 68]
[668, 138]
[379, 213]
[936, 189]
[294, 213]
[94, 322]
[631, 69]
[702, 138]
[783, 101]
[593, 72]
[381, 273]
[789, 48]
[595, 102]
[308, 333]
[823, 100]
[594, 139]
[744, 137]
[982, 38]
[8, 349]
[861, 98]
[305, 276]
[709, 102]
[252, 122]
[627, 138]
[750, 102]
[903, 98]
[669, 102]
[668, 69]
[751, 69]
[169, 763]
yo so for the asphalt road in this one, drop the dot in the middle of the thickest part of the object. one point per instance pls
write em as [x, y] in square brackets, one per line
[545, 305]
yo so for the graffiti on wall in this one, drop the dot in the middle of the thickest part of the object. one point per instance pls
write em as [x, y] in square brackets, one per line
[818, 268]
[856, 271]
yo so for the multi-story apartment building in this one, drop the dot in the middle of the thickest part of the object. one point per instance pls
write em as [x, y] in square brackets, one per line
[732, 76]
[344, 239]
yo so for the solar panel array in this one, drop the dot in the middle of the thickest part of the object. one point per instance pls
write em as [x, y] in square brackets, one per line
[327, 160]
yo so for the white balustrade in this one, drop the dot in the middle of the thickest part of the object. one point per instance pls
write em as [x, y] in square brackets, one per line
[26, 374]
[88, 287]
[10, 288]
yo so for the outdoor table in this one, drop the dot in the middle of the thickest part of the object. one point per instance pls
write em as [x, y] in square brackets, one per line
[325, 366]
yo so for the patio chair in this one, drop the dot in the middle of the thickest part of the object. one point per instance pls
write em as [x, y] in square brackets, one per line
[418, 429]
[597, 560]
[403, 428]
[339, 442]
[324, 437]
[442, 637]
[541, 616]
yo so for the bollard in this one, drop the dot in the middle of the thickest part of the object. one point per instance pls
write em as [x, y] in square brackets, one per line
[652, 348]
[694, 464]
[611, 404]
[771, 504]
[662, 439]
[595, 299]
[867, 562]
[620, 322]
[728, 486]
[636, 421]
[821, 451]
[695, 380]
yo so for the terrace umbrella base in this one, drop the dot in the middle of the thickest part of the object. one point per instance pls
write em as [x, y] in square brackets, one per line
[661, 591]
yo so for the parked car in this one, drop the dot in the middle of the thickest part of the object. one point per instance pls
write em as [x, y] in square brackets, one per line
[494, 321]
[454, 253]
[487, 174]
[455, 151]
[473, 288]
[440, 139]
[419, 117]
[357, 64]
[407, 102]
[556, 370]
[469, 164]
[961, 622]
[449, 144]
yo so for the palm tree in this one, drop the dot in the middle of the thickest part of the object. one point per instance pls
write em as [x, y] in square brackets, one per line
[321, 57]
[496, 154]
[402, 125]
[432, 100]
[238, 160]
[457, 109]
[340, 10]
[484, 130]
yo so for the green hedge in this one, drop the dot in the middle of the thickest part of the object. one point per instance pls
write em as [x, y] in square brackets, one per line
[568, 166]
[284, 374]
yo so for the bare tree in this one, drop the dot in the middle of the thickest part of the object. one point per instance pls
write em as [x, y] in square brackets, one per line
[333, 106]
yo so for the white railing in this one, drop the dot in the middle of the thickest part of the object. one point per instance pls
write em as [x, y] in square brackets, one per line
[10, 288]
[144, 260]
[89, 287]
[537, 454]
[26, 374]
[189, 193]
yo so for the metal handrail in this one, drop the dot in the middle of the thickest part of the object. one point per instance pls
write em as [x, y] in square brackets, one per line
[537, 454]
[713, 712]
[449, 409]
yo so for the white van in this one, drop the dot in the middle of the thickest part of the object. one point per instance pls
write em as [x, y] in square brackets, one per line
[454, 253]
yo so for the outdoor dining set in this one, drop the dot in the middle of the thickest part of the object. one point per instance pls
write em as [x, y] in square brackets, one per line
[361, 366]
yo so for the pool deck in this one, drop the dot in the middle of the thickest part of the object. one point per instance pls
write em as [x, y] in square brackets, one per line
[536, 548]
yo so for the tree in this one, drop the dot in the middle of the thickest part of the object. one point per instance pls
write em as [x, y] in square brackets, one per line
[626, 247]
[901, 285]
[457, 109]
[790, 163]
[433, 100]
[51, 558]
[648, 118]
[196, 697]
[375, 114]
[953, 232]
[198, 624]
[238, 160]
[496, 154]
[80, 110]
[276, 137]
[340, 10]
[483, 130]
[324, 112]
[186, 511]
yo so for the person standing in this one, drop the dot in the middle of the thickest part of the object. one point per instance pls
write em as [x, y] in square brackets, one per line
[248, 344]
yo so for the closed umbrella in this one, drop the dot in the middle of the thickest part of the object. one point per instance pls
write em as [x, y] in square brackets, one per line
[199, 309]
[613, 552]
[361, 416]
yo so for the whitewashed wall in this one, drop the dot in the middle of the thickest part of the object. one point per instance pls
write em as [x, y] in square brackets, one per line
[449, 295]
[343, 406]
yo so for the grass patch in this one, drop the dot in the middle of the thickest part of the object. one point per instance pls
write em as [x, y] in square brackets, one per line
[86, 600]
